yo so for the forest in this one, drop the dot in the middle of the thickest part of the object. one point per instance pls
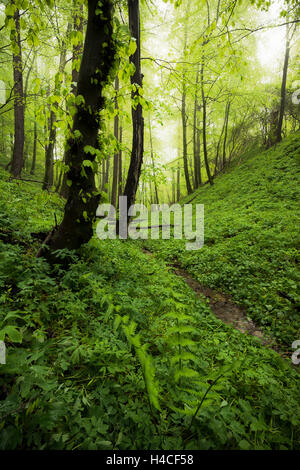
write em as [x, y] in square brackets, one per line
[185, 335]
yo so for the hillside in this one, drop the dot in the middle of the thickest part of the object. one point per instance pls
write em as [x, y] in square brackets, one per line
[252, 238]
[78, 373]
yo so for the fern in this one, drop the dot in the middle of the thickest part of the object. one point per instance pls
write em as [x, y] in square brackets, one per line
[144, 358]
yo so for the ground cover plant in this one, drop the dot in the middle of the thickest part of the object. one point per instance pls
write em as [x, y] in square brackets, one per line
[108, 110]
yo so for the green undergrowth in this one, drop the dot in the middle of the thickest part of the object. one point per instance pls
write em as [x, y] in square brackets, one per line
[117, 352]
[252, 216]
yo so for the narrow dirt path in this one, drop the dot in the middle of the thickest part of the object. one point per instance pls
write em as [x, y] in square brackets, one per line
[222, 306]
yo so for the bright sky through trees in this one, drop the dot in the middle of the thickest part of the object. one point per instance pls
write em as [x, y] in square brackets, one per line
[160, 38]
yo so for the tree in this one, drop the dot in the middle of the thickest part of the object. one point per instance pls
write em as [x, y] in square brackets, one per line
[183, 109]
[114, 188]
[49, 154]
[98, 60]
[137, 149]
[283, 85]
[17, 157]
[76, 58]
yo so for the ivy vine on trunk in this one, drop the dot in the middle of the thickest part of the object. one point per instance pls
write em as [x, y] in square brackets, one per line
[97, 63]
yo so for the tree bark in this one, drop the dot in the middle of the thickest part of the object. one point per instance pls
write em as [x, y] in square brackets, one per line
[32, 170]
[137, 151]
[152, 161]
[178, 183]
[210, 179]
[49, 155]
[183, 110]
[120, 162]
[184, 139]
[97, 62]
[76, 57]
[225, 134]
[196, 138]
[18, 150]
[283, 86]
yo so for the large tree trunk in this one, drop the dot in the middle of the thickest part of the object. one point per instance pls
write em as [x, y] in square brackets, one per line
[17, 158]
[97, 61]
[136, 111]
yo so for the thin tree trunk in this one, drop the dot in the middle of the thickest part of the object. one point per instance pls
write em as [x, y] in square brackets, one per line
[103, 175]
[184, 139]
[120, 162]
[107, 172]
[17, 158]
[114, 188]
[97, 62]
[153, 165]
[183, 110]
[32, 170]
[48, 175]
[173, 186]
[283, 86]
[196, 138]
[225, 134]
[49, 156]
[178, 183]
[210, 179]
[218, 162]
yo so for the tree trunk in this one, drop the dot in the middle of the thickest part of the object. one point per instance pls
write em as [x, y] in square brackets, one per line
[97, 62]
[107, 173]
[137, 151]
[78, 49]
[210, 179]
[196, 138]
[183, 110]
[32, 170]
[283, 86]
[17, 159]
[103, 175]
[184, 139]
[49, 156]
[178, 183]
[225, 135]
[120, 162]
[76, 58]
[153, 165]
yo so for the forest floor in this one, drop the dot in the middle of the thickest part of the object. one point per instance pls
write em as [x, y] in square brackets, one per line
[123, 350]
[223, 306]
